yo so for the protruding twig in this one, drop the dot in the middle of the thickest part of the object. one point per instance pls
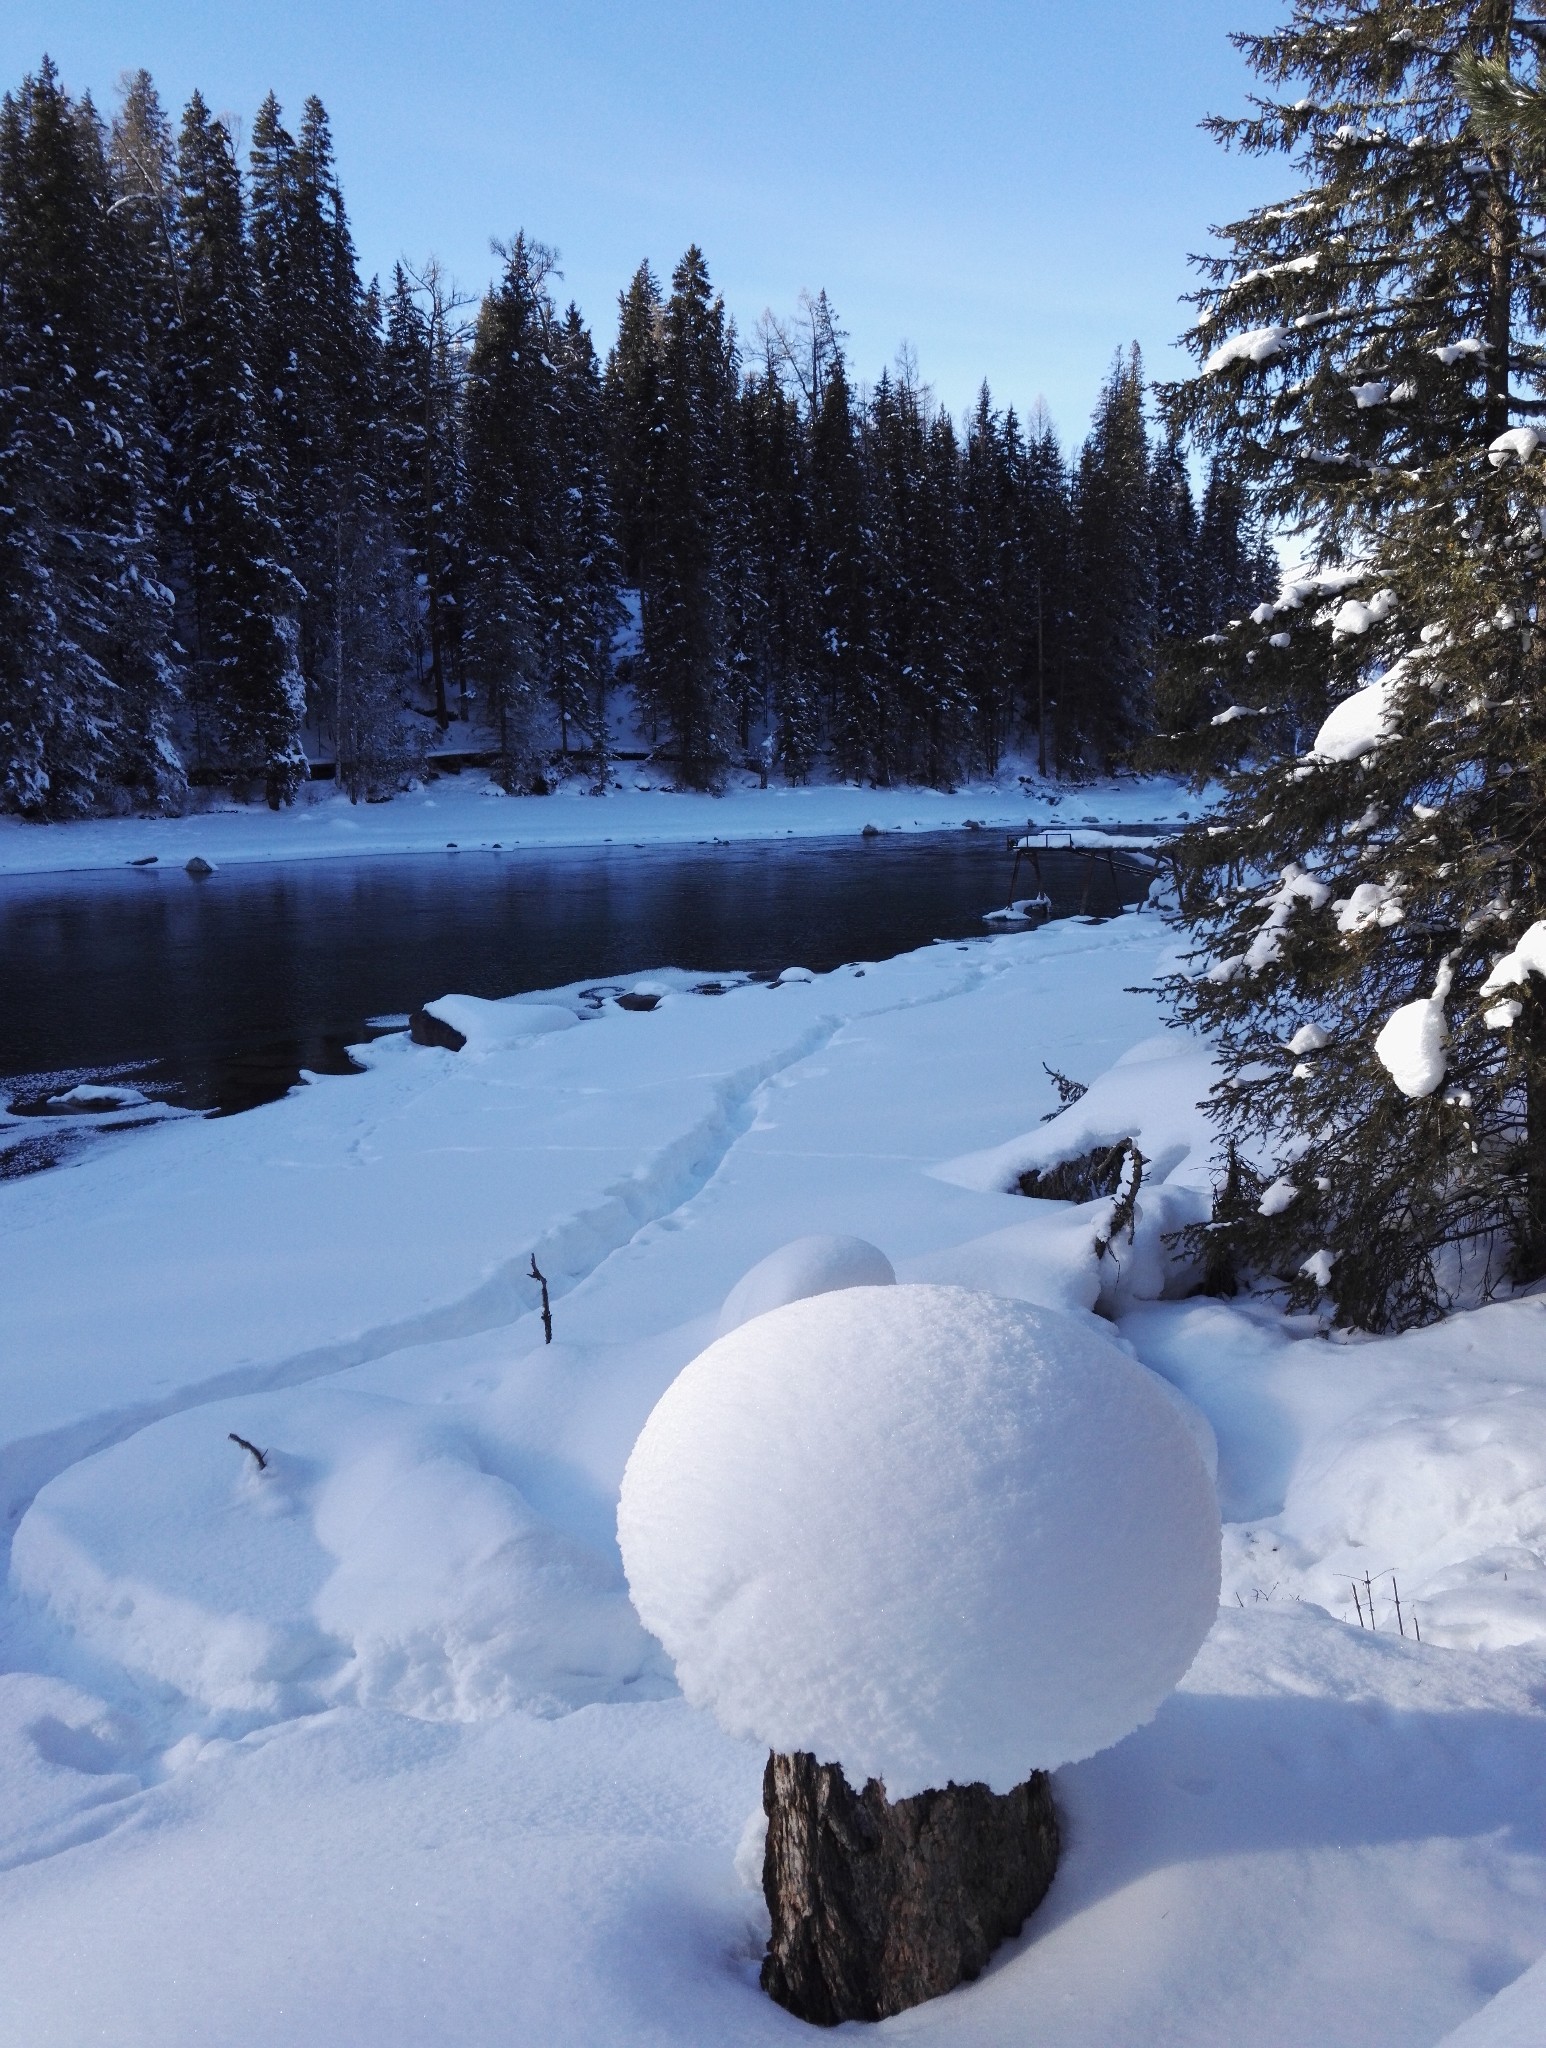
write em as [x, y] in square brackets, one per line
[1357, 1602]
[1400, 1624]
[547, 1312]
[262, 1460]
[1414, 1625]
[1368, 1593]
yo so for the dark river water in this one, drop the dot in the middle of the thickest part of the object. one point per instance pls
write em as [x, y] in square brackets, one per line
[214, 993]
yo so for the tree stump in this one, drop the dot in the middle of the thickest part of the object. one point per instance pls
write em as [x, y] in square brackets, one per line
[877, 1906]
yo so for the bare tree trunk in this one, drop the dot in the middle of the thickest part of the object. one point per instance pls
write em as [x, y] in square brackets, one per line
[877, 1906]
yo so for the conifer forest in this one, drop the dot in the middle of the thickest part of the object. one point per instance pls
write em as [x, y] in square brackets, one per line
[264, 519]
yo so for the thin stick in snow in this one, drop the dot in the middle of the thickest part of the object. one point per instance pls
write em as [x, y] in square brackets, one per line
[262, 1460]
[1368, 1593]
[547, 1312]
[1356, 1601]
[1400, 1624]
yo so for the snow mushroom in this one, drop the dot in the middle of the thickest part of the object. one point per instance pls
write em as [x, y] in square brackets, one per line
[927, 1533]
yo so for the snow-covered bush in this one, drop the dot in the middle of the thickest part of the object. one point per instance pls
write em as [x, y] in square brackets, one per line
[928, 1533]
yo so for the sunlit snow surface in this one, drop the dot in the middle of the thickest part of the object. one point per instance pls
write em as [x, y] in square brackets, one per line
[367, 1748]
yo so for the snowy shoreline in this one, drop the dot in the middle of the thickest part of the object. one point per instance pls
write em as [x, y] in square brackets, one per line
[472, 814]
[394, 1680]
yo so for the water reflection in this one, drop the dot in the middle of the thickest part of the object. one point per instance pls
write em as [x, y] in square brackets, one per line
[215, 992]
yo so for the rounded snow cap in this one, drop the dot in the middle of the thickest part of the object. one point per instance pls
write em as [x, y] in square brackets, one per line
[807, 1265]
[929, 1534]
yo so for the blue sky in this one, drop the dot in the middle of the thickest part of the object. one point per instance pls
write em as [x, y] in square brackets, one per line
[1011, 188]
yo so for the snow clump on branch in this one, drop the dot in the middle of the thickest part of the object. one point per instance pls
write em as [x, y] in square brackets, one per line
[1517, 445]
[924, 1532]
[1413, 1044]
[1258, 345]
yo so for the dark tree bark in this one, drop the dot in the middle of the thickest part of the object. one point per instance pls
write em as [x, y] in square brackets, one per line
[877, 1906]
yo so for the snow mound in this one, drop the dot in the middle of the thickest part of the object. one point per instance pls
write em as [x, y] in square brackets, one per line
[928, 1533]
[373, 1560]
[808, 1265]
[491, 1026]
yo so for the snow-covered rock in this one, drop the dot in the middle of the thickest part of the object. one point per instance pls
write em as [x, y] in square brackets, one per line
[486, 1027]
[928, 1533]
[97, 1095]
[820, 1264]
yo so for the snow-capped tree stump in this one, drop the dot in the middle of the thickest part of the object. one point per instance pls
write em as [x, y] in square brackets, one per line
[941, 1539]
[877, 1905]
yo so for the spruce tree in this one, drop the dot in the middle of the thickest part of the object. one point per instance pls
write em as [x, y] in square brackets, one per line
[1046, 551]
[632, 373]
[584, 570]
[1366, 903]
[841, 576]
[687, 551]
[513, 486]
[315, 354]
[780, 667]
[1106, 708]
[1173, 520]
[999, 603]
[237, 601]
[86, 682]
[422, 384]
[1235, 566]
[923, 726]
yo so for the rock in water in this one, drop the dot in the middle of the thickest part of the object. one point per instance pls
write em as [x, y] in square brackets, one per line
[876, 1905]
[200, 866]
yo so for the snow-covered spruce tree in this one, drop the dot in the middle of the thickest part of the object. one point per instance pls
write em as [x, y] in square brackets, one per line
[999, 606]
[584, 573]
[422, 376]
[1105, 709]
[1046, 542]
[512, 493]
[689, 508]
[778, 603]
[86, 682]
[237, 600]
[629, 389]
[1365, 903]
[841, 573]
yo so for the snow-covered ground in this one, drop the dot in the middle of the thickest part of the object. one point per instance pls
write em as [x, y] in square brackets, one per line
[367, 1748]
[469, 810]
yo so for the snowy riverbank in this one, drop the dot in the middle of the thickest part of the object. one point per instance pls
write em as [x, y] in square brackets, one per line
[367, 1747]
[469, 811]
